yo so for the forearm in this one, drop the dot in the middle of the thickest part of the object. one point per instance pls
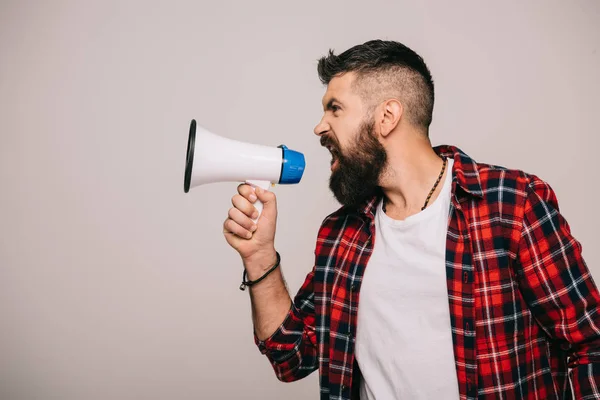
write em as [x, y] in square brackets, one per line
[284, 331]
[270, 299]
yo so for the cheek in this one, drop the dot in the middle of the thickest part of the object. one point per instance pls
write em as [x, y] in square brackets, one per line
[345, 133]
[344, 137]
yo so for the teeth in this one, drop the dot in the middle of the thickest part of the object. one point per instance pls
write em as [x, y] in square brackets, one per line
[331, 149]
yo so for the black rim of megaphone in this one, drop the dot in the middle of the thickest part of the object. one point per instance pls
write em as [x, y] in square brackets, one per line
[189, 158]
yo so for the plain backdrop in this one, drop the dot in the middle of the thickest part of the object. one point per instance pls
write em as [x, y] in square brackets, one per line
[114, 284]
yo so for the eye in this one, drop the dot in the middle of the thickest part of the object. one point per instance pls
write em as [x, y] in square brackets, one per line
[335, 108]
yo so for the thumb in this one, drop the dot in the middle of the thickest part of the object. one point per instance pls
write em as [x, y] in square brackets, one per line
[268, 199]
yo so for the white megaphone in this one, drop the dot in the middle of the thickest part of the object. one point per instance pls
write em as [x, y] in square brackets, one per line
[212, 158]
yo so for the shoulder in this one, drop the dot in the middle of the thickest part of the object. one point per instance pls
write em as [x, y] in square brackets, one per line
[498, 182]
[495, 182]
[337, 220]
[343, 222]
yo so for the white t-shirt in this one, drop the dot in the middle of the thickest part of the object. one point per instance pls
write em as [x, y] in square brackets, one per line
[404, 340]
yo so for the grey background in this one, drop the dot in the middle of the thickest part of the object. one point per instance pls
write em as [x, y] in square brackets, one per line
[114, 284]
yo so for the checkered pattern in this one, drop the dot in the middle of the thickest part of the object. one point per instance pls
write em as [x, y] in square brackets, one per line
[523, 305]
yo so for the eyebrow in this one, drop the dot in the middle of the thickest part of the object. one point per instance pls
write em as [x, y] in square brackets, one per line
[329, 104]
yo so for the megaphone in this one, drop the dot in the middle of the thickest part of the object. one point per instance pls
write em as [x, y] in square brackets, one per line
[212, 158]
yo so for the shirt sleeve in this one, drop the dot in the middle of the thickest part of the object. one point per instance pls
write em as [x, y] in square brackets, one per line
[292, 349]
[559, 288]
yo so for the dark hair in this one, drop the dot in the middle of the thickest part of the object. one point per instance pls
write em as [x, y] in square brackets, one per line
[394, 67]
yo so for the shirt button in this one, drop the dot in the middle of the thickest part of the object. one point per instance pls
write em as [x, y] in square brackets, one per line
[466, 277]
[344, 387]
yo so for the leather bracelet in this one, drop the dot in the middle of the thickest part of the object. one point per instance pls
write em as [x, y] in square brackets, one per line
[246, 283]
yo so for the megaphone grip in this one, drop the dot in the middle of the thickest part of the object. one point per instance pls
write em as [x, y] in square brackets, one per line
[259, 207]
[258, 204]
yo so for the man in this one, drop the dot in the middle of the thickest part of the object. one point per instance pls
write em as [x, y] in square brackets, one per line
[439, 277]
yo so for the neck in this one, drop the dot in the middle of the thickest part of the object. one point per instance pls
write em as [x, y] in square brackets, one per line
[413, 169]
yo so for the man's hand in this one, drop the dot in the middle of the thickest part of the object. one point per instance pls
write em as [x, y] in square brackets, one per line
[254, 242]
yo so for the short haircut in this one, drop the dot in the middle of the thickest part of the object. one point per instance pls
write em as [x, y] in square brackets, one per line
[385, 69]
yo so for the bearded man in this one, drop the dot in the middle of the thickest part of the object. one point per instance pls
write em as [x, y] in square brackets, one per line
[439, 277]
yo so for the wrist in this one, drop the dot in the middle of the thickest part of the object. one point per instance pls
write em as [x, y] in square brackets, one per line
[246, 282]
[260, 263]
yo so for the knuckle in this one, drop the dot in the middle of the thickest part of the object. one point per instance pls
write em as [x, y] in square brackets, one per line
[230, 225]
[244, 189]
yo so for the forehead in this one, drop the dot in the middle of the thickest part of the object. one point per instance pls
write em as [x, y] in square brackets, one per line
[340, 87]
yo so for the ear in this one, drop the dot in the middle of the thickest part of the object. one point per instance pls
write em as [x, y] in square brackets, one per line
[390, 115]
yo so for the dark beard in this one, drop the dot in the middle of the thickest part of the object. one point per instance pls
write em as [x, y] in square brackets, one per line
[356, 177]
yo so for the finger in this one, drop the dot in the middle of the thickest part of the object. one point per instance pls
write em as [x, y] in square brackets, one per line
[241, 219]
[247, 192]
[234, 228]
[244, 206]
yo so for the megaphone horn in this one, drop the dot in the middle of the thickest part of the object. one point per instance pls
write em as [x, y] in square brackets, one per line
[212, 158]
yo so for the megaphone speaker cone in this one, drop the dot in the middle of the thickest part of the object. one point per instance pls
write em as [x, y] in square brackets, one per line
[189, 159]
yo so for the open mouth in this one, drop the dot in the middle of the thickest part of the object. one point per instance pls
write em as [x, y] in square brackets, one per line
[334, 155]
[328, 143]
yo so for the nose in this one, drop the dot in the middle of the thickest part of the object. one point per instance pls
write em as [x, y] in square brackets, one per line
[321, 128]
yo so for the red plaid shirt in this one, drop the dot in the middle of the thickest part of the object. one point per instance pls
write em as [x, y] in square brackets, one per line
[523, 305]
